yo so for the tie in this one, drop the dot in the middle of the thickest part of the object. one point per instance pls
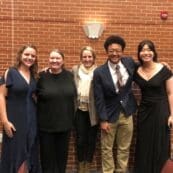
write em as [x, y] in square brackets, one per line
[119, 77]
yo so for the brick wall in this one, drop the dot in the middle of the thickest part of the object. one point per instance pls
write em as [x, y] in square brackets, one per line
[58, 24]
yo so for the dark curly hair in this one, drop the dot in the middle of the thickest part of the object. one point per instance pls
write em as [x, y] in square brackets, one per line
[114, 39]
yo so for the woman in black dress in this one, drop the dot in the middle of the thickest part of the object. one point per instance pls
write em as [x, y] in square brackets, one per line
[18, 115]
[155, 114]
[56, 100]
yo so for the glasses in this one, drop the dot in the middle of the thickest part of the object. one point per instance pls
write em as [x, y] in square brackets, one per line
[111, 51]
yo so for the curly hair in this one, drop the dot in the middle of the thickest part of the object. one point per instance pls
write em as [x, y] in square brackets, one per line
[114, 39]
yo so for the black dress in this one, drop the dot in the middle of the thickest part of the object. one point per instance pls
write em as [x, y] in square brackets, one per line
[152, 147]
[21, 111]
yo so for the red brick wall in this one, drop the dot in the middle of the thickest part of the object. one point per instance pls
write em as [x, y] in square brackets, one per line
[58, 24]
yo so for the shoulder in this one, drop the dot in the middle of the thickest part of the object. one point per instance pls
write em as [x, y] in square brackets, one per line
[42, 73]
[10, 71]
[75, 69]
[128, 59]
[67, 72]
[166, 70]
[101, 68]
[129, 62]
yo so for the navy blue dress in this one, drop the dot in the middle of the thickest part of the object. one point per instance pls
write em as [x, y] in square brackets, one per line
[21, 111]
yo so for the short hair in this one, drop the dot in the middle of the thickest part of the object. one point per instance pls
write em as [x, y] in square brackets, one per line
[58, 51]
[151, 46]
[114, 39]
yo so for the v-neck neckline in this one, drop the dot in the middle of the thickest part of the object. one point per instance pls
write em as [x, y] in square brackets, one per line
[22, 76]
[153, 76]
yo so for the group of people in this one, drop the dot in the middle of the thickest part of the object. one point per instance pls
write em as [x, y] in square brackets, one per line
[38, 110]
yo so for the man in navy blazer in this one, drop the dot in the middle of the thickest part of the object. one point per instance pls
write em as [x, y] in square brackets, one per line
[115, 104]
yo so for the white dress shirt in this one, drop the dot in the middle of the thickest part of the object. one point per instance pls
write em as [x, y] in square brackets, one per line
[123, 71]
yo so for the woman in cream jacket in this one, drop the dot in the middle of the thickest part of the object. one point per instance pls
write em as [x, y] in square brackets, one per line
[86, 118]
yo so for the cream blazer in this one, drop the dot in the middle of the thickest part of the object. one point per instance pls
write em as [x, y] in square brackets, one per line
[91, 106]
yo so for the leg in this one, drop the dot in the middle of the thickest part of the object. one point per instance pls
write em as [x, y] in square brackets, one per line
[23, 168]
[62, 143]
[92, 136]
[107, 143]
[123, 140]
[47, 152]
[82, 125]
[91, 145]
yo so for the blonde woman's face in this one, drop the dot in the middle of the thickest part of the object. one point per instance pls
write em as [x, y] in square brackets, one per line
[87, 59]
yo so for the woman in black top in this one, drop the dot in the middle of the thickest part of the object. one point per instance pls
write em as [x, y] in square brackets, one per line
[56, 96]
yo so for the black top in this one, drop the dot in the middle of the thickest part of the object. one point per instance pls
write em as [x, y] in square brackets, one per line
[56, 96]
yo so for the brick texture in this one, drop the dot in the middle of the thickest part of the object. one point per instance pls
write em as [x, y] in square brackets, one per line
[58, 24]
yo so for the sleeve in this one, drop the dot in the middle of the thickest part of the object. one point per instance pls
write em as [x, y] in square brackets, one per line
[99, 97]
[167, 73]
[2, 81]
[9, 78]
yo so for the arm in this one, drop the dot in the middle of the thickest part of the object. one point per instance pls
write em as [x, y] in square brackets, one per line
[8, 126]
[100, 102]
[169, 90]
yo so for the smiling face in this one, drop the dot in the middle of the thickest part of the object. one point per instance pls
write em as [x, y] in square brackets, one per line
[56, 61]
[146, 54]
[114, 53]
[146, 51]
[28, 57]
[87, 58]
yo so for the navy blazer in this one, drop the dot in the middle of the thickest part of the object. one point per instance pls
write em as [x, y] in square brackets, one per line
[108, 102]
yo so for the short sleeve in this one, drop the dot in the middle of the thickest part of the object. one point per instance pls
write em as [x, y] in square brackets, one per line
[167, 73]
[2, 81]
[9, 78]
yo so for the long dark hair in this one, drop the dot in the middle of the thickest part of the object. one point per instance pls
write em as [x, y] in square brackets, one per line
[34, 67]
[151, 46]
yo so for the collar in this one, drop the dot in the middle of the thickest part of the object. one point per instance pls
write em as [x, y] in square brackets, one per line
[112, 66]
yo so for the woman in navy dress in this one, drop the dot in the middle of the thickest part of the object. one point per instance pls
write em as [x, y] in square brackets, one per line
[18, 115]
[155, 114]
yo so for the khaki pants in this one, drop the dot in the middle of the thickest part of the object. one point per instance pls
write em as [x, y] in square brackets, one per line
[121, 133]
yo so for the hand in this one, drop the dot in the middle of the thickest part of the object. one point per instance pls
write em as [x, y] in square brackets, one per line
[170, 121]
[9, 128]
[45, 69]
[104, 125]
[166, 64]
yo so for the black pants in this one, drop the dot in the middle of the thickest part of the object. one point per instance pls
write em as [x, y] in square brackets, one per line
[54, 151]
[85, 136]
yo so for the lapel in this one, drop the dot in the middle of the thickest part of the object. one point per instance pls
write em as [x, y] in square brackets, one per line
[129, 68]
[127, 65]
[107, 76]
